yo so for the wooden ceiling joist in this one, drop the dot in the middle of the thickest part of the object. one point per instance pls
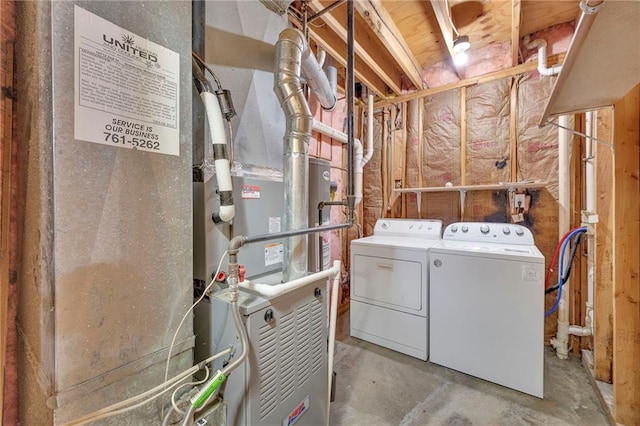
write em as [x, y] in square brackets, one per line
[328, 40]
[440, 8]
[365, 48]
[381, 23]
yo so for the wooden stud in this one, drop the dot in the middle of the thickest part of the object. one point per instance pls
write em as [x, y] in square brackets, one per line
[497, 75]
[626, 273]
[421, 147]
[385, 168]
[5, 205]
[513, 120]
[463, 137]
[403, 160]
[515, 31]
[577, 280]
[603, 290]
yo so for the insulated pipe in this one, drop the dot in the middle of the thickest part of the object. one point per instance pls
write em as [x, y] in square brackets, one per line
[564, 150]
[541, 45]
[289, 50]
[270, 291]
[219, 143]
[333, 314]
[221, 160]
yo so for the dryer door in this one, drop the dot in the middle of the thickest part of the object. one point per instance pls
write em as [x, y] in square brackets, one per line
[390, 277]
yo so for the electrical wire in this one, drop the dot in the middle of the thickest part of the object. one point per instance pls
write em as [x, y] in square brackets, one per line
[204, 64]
[175, 335]
[173, 395]
[564, 246]
[160, 389]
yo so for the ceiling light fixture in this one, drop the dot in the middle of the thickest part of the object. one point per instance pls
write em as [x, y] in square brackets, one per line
[461, 44]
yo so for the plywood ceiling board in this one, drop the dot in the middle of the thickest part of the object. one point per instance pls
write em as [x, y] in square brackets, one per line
[418, 25]
[493, 26]
[539, 14]
[606, 65]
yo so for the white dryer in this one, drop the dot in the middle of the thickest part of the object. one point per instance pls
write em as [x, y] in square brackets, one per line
[487, 304]
[390, 285]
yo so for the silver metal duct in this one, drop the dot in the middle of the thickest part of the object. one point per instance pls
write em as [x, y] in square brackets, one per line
[317, 80]
[277, 6]
[289, 50]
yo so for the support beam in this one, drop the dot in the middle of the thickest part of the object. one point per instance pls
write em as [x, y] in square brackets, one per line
[444, 21]
[520, 69]
[365, 48]
[626, 271]
[383, 26]
[515, 31]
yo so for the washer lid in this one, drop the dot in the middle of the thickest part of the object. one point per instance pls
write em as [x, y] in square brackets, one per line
[527, 253]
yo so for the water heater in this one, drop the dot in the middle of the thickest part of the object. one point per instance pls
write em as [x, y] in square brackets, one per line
[319, 190]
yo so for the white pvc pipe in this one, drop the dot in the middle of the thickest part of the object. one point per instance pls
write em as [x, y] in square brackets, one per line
[270, 291]
[359, 158]
[218, 137]
[560, 342]
[317, 79]
[541, 45]
[333, 315]
[369, 150]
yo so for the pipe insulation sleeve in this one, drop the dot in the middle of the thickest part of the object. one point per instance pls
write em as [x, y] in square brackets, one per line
[221, 161]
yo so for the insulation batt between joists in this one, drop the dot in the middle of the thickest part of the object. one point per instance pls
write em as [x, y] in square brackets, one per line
[488, 138]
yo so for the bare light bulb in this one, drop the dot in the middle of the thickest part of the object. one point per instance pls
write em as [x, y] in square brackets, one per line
[460, 58]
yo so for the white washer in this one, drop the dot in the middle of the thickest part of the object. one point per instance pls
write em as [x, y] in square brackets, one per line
[487, 304]
[390, 285]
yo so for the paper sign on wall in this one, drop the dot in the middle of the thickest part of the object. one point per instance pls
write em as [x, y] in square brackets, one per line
[127, 88]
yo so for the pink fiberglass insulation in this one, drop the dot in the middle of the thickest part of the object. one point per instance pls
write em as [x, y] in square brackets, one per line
[488, 137]
[372, 183]
[537, 146]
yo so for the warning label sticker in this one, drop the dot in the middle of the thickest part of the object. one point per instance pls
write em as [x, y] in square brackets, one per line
[273, 253]
[127, 88]
[250, 191]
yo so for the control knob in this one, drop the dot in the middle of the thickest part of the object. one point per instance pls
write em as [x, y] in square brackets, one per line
[519, 232]
[506, 230]
[385, 225]
[484, 229]
[454, 228]
[465, 228]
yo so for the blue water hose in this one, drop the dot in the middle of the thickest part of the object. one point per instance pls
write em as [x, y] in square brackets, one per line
[561, 270]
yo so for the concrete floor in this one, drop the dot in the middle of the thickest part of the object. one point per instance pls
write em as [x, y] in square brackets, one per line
[378, 386]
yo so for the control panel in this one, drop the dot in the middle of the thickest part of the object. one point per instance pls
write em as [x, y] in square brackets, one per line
[414, 228]
[502, 233]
